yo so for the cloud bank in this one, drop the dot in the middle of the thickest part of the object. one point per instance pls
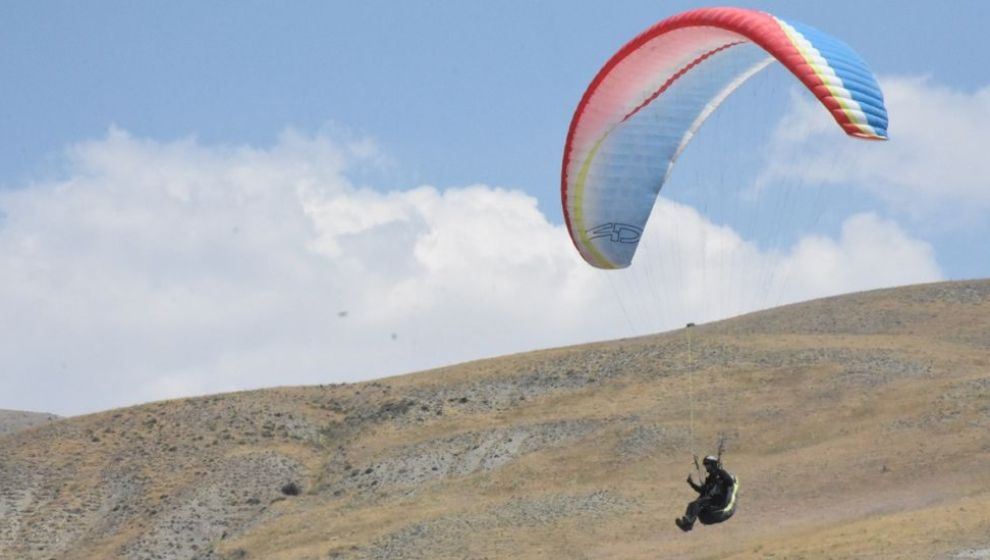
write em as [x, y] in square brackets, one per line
[934, 169]
[164, 269]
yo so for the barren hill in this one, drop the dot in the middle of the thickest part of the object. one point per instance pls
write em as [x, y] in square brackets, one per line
[859, 427]
[15, 420]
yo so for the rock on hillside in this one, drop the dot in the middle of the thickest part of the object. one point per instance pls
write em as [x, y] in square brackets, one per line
[858, 426]
[14, 420]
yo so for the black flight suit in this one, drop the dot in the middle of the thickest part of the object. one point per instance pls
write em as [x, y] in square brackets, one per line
[714, 491]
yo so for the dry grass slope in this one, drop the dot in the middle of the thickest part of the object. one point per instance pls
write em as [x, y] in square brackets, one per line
[859, 427]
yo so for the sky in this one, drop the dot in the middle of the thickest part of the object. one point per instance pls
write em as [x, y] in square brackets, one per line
[206, 197]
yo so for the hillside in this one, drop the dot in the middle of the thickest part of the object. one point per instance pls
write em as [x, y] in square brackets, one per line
[859, 427]
[14, 420]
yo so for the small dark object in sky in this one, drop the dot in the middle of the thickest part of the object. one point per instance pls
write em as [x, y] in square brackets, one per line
[342, 314]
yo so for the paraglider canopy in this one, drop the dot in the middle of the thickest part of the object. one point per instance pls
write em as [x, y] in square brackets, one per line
[651, 97]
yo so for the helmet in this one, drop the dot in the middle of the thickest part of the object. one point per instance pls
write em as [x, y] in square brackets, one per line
[710, 460]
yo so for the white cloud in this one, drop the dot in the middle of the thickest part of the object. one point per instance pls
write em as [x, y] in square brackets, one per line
[163, 269]
[870, 252]
[689, 269]
[934, 167]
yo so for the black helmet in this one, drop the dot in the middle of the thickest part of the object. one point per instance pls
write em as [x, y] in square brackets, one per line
[710, 460]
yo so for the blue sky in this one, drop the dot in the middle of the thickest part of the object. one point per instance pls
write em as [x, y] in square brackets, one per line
[456, 92]
[416, 109]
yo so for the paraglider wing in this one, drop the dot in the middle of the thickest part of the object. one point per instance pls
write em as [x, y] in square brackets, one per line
[650, 98]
